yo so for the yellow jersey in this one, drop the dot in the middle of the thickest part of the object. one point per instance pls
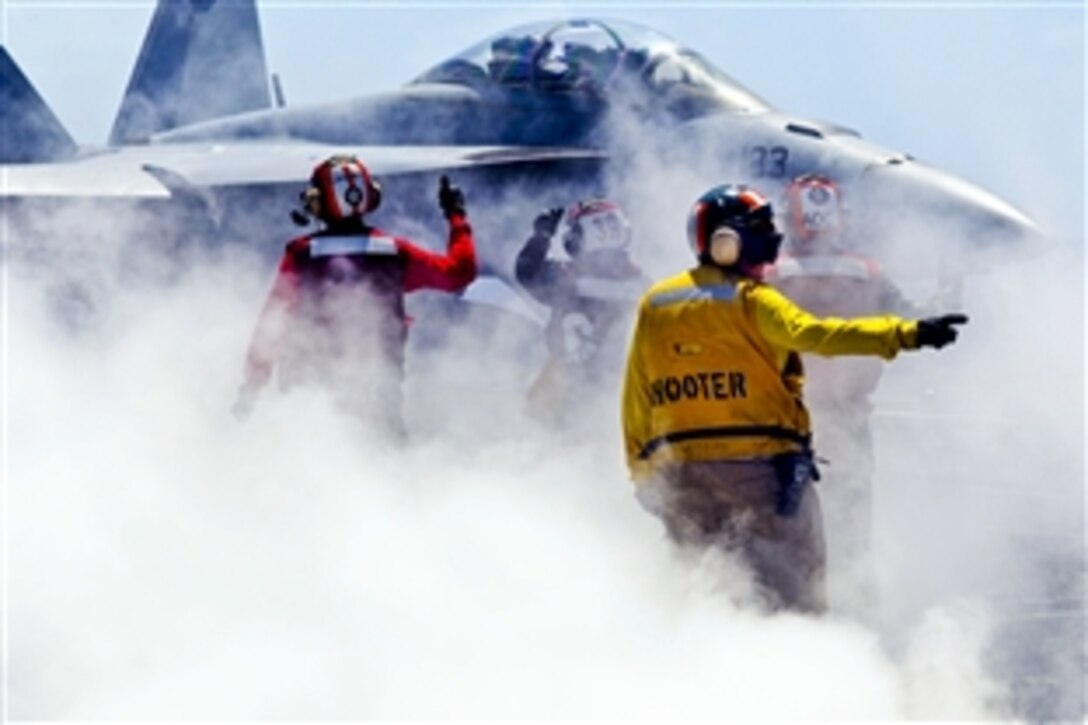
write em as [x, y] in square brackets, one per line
[713, 370]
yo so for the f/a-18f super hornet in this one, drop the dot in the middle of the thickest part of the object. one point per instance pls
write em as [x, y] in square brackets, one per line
[563, 102]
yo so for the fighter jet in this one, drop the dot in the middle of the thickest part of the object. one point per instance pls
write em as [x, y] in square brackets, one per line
[562, 104]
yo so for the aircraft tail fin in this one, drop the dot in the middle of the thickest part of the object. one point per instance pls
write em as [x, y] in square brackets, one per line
[31, 132]
[201, 59]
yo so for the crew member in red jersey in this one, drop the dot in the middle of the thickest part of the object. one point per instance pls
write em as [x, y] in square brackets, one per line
[822, 274]
[335, 316]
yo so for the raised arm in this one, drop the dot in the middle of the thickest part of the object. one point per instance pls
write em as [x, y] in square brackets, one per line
[449, 272]
[541, 277]
[789, 327]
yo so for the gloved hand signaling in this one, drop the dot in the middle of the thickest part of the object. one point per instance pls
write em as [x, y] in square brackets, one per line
[939, 331]
[546, 224]
[450, 198]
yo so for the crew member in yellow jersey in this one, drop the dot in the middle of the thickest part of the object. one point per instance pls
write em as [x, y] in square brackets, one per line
[716, 431]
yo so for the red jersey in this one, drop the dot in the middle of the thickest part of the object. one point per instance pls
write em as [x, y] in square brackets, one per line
[340, 295]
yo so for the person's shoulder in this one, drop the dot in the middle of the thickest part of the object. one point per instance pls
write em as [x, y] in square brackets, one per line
[298, 244]
[759, 290]
[680, 279]
[751, 286]
[381, 238]
[665, 287]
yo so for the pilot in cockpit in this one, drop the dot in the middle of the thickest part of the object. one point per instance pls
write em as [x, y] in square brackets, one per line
[571, 66]
[512, 59]
[585, 68]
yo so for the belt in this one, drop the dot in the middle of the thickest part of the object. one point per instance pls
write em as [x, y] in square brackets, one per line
[734, 431]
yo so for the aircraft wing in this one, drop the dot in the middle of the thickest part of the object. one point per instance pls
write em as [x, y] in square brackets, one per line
[106, 174]
[492, 291]
[158, 170]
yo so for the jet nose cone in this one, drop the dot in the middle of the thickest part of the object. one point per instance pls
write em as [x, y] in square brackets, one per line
[904, 200]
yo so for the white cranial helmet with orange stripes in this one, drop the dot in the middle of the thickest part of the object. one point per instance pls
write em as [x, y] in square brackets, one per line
[814, 208]
[596, 225]
[340, 188]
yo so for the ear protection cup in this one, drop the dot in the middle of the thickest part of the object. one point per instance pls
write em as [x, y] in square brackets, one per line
[311, 202]
[725, 246]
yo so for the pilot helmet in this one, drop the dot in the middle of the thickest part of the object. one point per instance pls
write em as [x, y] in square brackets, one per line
[595, 225]
[733, 225]
[341, 188]
[814, 209]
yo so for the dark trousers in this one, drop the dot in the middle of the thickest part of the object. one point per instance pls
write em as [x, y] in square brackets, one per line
[731, 505]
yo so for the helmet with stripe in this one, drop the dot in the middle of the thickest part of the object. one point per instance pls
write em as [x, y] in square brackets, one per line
[732, 225]
[814, 208]
[340, 188]
[595, 225]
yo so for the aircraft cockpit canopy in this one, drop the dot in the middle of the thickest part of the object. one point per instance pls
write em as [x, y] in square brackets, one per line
[594, 59]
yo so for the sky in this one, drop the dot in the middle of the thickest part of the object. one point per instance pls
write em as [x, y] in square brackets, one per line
[163, 561]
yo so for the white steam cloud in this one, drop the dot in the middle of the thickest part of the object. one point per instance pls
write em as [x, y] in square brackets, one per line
[166, 561]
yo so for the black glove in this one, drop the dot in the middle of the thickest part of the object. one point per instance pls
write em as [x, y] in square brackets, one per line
[450, 198]
[546, 224]
[939, 331]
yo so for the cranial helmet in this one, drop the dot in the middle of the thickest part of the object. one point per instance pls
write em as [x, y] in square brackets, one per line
[733, 224]
[595, 225]
[341, 187]
[814, 208]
